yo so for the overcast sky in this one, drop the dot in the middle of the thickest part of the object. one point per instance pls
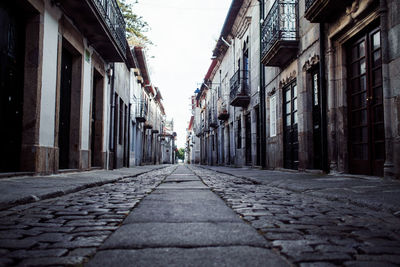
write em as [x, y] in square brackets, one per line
[184, 33]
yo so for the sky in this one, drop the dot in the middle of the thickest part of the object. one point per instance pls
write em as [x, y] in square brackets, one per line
[184, 33]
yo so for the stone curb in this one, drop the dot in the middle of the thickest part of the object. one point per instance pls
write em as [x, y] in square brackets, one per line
[395, 210]
[58, 193]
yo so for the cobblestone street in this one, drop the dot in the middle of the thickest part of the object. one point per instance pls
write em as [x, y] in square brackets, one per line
[169, 216]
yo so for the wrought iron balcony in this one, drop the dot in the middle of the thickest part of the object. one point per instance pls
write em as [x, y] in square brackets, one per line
[141, 111]
[212, 118]
[324, 10]
[240, 89]
[279, 36]
[222, 109]
[148, 124]
[102, 23]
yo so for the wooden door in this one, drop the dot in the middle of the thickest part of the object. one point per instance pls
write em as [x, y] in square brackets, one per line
[11, 87]
[365, 100]
[65, 109]
[248, 139]
[291, 141]
[316, 119]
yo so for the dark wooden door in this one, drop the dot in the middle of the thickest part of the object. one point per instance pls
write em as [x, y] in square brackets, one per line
[65, 109]
[316, 115]
[365, 99]
[258, 142]
[248, 139]
[11, 87]
[291, 141]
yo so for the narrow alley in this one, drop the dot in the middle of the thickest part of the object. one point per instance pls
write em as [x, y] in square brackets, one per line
[185, 215]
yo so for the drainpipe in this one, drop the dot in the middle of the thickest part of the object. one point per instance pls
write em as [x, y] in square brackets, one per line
[322, 98]
[388, 167]
[262, 113]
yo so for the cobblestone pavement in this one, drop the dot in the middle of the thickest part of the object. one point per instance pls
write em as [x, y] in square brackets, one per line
[67, 230]
[308, 230]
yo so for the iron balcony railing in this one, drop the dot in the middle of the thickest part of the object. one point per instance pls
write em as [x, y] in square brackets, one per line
[212, 118]
[239, 84]
[222, 110]
[112, 16]
[141, 110]
[309, 3]
[281, 24]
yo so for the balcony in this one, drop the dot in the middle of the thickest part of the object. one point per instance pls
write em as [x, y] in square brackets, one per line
[148, 124]
[222, 110]
[279, 34]
[212, 119]
[324, 10]
[102, 23]
[141, 111]
[240, 89]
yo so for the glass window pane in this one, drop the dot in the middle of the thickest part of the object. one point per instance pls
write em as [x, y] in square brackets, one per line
[288, 96]
[355, 69]
[378, 112]
[288, 108]
[377, 77]
[295, 104]
[363, 66]
[295, 90]
[376, 41]
[363, 83]
[376, 61]
[315, 85]
[362, 49]
[355, 52]
[288, 122]
[295, 117]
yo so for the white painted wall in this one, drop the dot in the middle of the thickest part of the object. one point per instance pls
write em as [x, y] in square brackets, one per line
[86, 100]
[49, 77]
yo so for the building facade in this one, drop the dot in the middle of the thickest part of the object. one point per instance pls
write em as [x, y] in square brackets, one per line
[66, 84]
[304, 85]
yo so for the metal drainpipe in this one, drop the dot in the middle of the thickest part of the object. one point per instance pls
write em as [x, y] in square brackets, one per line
[262, 112]
[322, 86]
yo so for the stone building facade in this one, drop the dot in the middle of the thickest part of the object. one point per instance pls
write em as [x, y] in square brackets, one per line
[322, 87]
[65, 86]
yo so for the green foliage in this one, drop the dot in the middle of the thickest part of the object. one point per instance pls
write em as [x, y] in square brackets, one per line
[136, 27]
[180, 154]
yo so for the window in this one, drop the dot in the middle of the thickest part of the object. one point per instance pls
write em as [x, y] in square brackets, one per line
[121, 121]
[239, 134]
[272, 116]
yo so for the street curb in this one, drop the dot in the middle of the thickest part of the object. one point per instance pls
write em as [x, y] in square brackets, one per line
[59, 193]
[358, 202]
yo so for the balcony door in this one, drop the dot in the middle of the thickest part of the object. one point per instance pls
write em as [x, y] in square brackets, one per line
[290, 128]
[316, 119]
[248, 139]
[365, 100]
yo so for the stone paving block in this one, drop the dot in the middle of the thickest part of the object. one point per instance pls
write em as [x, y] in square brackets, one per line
[16, 243]
[383, 257]
[368, 264]
[145, 235]
[53, 261]
[183, 196]
[183, 185]
[156, 211]
[6, 262]
[21, 254]
[215, 256]
[83, 252]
